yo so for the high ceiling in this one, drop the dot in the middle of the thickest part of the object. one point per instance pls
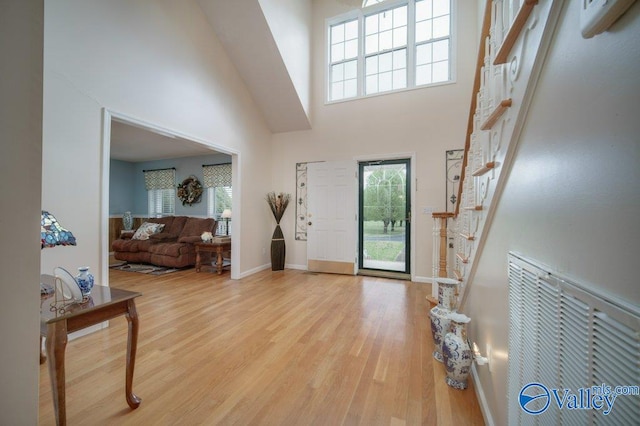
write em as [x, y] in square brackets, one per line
[243, 30]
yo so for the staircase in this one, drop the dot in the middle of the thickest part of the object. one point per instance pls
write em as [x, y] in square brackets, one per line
[515, 38]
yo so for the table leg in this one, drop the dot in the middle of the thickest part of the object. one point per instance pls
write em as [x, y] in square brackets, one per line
[43, 355]
[132, 346]
[219, 260]
[56, 345]
[198, 260]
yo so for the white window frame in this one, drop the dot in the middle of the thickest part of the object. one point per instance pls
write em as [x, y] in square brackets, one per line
[212, 207]
[360, 15]
[161, 202]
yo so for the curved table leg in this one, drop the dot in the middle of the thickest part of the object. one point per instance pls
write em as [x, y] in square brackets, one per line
[56, 344]
[132, 344]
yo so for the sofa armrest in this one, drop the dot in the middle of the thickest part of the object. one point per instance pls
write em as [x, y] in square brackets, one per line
[190, 239]
[126, 235]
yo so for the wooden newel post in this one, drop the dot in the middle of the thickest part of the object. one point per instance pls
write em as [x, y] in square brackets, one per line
[439, 251]
[442, 259]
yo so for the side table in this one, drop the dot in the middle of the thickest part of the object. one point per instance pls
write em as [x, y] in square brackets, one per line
[56, 322]
[213, 247]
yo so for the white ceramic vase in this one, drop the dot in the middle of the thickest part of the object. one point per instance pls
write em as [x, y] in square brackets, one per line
[457, 352]
[127, 221]
[85, 280]
[439, 314]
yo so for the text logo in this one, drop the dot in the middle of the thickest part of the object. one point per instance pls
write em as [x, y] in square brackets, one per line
[534, 398]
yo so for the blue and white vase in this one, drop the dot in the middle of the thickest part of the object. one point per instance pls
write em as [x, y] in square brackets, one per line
[85, 280]
[127, 221]
[439, 314]
[457, 352]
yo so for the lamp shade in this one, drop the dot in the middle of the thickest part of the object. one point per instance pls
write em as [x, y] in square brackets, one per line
[226, 214]
[52, 234]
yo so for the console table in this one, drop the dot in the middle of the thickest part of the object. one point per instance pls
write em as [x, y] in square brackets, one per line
[213, 247]
[56, 322]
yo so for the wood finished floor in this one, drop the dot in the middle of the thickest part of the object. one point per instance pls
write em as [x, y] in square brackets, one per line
[276, 348]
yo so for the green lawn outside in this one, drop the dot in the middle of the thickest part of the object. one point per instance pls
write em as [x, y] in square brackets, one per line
[383, 250]
[373, 227]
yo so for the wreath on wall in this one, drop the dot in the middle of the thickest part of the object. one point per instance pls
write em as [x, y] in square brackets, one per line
[190, 191]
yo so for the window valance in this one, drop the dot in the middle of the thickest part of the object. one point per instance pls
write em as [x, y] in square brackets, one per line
[160, 179]
[216, 175]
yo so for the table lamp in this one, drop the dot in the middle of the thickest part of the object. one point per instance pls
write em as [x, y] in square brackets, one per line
[226, 215]
[52, 234]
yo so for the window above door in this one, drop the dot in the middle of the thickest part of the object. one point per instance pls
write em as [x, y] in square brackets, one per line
[389, 47]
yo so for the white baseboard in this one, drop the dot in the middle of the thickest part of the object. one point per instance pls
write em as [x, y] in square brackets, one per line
[255, 270]
[428, 280]
[294, 266]
[482, 400]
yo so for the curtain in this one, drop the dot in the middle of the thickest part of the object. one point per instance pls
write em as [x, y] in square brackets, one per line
[160, 179]
[217, 175]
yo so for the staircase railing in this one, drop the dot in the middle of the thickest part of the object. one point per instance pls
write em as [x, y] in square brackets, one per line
[510, 56]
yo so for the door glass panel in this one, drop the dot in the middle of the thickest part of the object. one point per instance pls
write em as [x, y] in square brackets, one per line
[384, 228]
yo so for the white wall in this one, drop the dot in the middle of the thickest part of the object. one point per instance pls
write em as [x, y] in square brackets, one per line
[21, 29]
[425, 121]
[290, 24]
[155, 61]
[572, 197]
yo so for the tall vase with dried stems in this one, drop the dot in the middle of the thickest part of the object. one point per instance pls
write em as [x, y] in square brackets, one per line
[278, 204]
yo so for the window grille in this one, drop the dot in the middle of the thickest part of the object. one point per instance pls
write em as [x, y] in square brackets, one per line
[389, 48]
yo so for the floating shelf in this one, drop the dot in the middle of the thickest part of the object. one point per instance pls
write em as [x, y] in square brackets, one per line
[468, 237]
[484, 169]
[458, 275]
[516, 28]
[432, 300]
[474, 208]
[462, 258]
[496, 114]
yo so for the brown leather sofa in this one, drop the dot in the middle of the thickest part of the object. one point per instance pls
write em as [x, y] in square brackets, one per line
[172, 247]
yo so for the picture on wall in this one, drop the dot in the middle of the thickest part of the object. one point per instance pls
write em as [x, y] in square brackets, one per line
[301, 201]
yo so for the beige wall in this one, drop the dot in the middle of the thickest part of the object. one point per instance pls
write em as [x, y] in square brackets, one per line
[425, 122]
[572, 197]
[158, 62]
[21, 28]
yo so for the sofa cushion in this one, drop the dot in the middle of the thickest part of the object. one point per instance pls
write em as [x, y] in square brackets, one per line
[146, 229]
[169, 249]
[125, 245]
[195, 227]
[167, 221]
[176, 226]
[163, 237]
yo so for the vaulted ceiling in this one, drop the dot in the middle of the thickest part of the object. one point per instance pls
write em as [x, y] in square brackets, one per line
[244, 31]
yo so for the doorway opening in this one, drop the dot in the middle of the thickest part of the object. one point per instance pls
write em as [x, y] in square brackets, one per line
[385, 218]
[148, 142]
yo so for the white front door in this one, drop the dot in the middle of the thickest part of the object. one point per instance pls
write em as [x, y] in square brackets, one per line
[332, 200]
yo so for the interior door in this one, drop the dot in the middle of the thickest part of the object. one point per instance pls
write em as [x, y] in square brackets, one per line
[332, 200]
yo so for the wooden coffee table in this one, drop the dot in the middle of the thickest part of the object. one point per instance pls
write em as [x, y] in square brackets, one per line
[218, 248]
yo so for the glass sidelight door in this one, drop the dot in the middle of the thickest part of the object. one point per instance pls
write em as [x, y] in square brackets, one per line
[385, 216]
